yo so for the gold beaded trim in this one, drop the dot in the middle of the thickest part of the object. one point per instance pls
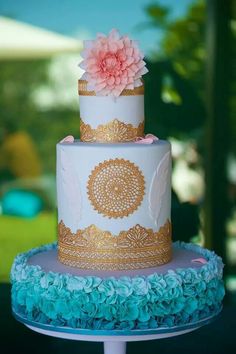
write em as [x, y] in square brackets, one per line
[95, 249]
[116, 188]
[83, 91]
[112, 132]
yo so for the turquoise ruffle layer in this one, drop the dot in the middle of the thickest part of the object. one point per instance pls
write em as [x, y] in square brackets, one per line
[175, 298]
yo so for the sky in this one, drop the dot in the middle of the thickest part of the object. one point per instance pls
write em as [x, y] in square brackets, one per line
[82, 19]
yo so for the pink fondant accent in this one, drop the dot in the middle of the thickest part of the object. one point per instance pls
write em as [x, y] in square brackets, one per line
[148, 139]
[112, 63]
[68, 139]
[199, 260]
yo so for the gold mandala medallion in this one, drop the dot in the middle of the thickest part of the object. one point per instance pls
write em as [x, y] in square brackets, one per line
[116, 188]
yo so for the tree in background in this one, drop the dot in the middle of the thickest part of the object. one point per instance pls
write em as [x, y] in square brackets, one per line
[19, 80]
[175, 90]
[19, 157]
[175, 104]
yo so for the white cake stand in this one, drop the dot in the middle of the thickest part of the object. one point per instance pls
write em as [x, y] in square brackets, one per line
[114, 340]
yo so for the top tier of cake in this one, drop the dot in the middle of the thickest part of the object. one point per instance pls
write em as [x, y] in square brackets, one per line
[111, 90]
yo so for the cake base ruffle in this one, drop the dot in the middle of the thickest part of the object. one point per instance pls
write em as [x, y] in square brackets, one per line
[179, 293]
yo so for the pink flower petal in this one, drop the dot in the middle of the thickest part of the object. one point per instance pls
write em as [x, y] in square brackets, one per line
[100, 79]
[111, 81]
[129, 51]
[85, 53]
[114, 34]
[147, 139]
[117, 91]
[88, 44]
[93, 69]
[134, 68]
[136, 53]
[130, 86]
[140, 64]
[113, 47]
[199, 260]
[127, 42]
[123, 65]
[137, 83]
[120, 44]
[91, 61]
[85, 76]
[104, 92]
[129, 61]
[130, 80]
[154, 137]
[130, 72]
[68, 139]
[101, 86]
[121, 54]
[124, 80]
[144, 141]
[118, 80]
[141, 72]
[83, 65]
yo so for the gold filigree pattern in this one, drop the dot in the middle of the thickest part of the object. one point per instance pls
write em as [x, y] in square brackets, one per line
[116, 188]
[83, 90]
[112, 132]
[95, 249]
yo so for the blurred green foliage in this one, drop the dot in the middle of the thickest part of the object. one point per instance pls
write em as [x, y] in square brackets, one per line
[175, 90]
[25, 234]
[183, 42]
[18, 82]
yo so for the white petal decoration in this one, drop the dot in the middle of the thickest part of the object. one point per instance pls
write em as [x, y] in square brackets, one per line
[158, 187]
[71, 190]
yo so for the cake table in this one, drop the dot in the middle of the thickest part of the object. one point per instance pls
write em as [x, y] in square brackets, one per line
[34, 305]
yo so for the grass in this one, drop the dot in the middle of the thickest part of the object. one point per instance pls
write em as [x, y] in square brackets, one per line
[19, 235]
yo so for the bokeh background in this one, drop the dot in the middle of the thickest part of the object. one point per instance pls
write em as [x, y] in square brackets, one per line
[190, 99]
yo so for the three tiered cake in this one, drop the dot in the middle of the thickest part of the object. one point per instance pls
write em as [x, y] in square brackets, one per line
[114, 266]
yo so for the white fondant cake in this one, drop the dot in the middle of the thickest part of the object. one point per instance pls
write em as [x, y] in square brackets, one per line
[114, 186]
[113, 199]
[127, 109]
[75, 164]
[114, 203]
[119, 192]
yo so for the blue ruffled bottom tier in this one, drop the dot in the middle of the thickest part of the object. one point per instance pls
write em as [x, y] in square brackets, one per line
[174, 298]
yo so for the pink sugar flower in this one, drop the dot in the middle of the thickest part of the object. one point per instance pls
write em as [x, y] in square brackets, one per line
[112, 63]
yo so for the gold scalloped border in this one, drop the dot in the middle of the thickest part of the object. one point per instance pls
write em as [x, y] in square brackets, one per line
[112, 132]
[83, 91]
[93, 248]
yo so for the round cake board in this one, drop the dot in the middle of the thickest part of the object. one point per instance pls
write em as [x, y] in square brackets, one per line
[114, 340]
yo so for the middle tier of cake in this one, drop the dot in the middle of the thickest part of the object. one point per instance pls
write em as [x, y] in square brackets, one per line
[114, 204]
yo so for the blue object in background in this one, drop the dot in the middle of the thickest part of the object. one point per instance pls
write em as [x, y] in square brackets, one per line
[21, 203]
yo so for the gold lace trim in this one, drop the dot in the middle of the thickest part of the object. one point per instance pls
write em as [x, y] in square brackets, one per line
[116, 188]
[112, 132]
[83, 91]
[95, 249]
